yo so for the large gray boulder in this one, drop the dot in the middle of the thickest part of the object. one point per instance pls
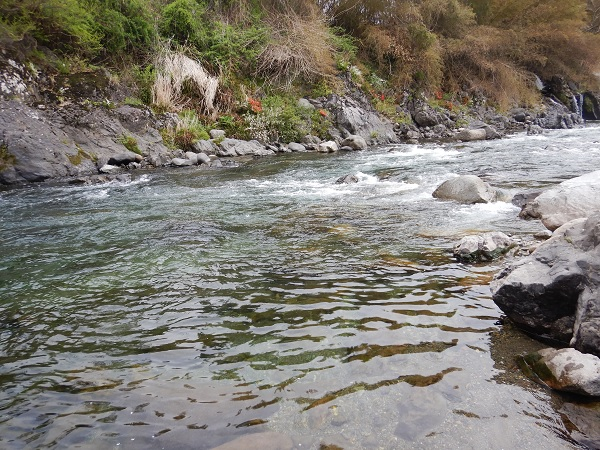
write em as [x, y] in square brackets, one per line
[553, 293]
[478, 134]
[565, 370]
[466, 189]
[355, 142]
[350, 115]
[236, 147]
[569, 200]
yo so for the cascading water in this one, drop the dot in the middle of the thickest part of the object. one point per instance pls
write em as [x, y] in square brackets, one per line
[268, 306]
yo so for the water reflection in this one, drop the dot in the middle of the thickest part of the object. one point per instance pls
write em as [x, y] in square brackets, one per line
[268, 306]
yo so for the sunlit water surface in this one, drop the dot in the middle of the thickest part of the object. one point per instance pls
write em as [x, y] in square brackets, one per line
[190, 308]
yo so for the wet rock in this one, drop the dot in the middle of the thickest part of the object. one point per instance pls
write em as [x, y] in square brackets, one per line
[296, 147]
[124, 158]
[485, 247]
[425, 116]
[328, 147]
[466, 189]
[259, 441]
[355, 142]
[347, 179]
[110, 169]
[471, 135]
[569, 200]
[553, 293]
[565, 370]
[524, 198]
[533, 130]
[180, 162]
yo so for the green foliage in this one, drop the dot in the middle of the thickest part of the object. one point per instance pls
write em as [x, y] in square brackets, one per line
[189, 130]
[181, 21]
[7, 159]
[130, 143]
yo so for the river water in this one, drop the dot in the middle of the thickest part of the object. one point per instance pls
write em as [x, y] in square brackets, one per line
[266, 306]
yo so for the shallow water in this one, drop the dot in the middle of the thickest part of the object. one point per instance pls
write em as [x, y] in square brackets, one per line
[188, 308]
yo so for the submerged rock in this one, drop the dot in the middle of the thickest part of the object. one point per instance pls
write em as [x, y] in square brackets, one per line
[565, 370]
[466, 189]
[347, 179]
[553, 293]
[485, 247]
[571, 199]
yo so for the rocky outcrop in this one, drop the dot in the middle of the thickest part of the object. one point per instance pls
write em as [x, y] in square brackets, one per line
[553, 293]
[564, 370]
[485, 247]
[569, 200]
[352, 117]
[466, 189]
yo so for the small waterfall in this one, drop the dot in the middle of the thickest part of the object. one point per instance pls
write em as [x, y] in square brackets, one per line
[577, 101]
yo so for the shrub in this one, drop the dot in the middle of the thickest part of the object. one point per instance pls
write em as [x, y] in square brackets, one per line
[130, 143]
[176, 75]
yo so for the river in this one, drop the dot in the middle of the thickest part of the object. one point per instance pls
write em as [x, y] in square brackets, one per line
[269, 306]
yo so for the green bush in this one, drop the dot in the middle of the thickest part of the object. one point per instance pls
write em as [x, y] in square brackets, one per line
[181, 21]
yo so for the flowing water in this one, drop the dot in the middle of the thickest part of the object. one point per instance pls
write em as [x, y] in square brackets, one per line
[266, 306]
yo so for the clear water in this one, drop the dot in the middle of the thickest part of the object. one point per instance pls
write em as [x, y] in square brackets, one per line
[266, 305]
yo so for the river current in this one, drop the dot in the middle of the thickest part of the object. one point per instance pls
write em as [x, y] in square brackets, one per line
[266, 306]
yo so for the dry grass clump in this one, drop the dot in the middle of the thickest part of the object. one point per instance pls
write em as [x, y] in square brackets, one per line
[177, 74]
[299, 47]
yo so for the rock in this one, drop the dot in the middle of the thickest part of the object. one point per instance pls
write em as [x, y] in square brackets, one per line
[471, 135]
[110, 169]
[205, 146]
[296, 147]
[236, 147]
[569, 200]
[203, 158]
[124, 158]
[426, 116]
[466, 189]
[553, 292]
[566, 370]
[304, 103]
[217, 134]
[490, 132]
[533, 130]
[355, 142]
[350, 114]
[484, 247]
[347, 179]
[328, 147]
[269, 440]
[180, 162]
[524, 198]
[193, 157]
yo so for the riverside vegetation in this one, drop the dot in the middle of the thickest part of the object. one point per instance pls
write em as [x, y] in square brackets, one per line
[242, 65]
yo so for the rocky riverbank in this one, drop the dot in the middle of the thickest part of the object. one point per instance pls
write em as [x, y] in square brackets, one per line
[73, 127]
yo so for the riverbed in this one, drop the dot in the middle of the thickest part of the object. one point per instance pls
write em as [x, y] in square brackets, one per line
[267, 305]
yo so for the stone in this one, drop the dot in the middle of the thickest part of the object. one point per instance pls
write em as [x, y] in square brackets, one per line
[193, 157]
[466, 189]
[571, 199]
[304, 103]
[553, 293]
[566, 370]
[205, 146]
[269, 440]
[203, 158]
[347, 179]
[485, 247]
[355, 142]
[471, 135]
[328, 147]
[217, 134]
[296, 147]
[236, 147]
[110, 169]
[427, 117]
[180, 162]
